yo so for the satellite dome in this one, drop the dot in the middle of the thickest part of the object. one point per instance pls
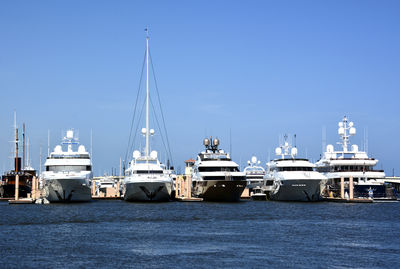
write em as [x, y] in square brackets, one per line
[151, 131]
[329, 148]
[352, 131]
[278, 151]
[58, 149]
[294, 151]
[340, 124]
[206, 142]
[341, 131]
[254, 159]
[143, 131]
[70, 134]
[136, 154]
[354, 148]
[81, 149]
[351, 124]
[216, 142]
[153, 154]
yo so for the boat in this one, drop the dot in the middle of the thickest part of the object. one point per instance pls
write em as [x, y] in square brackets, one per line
[294, 179]
[68, 174]
[22, 172]
[352, 165]
[146, 179]
[215, 177]
[254, 174]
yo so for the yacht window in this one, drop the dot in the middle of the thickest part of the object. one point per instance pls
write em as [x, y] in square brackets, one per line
[218, 169]
[148, 172]
[295, 169]
[67, 168]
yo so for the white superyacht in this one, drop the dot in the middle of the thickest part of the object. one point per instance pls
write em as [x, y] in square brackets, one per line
[294, 179]
[68, 174]
[346, 163]
[215, 177]
[146, 179]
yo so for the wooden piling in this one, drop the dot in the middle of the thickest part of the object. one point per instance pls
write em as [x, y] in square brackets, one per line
[351, 187]
[16, 187]
[342, 187]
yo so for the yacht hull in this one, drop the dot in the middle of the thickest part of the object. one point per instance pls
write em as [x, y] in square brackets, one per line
[297, 190]
[67, 190]
[219, 190]
[148, 191]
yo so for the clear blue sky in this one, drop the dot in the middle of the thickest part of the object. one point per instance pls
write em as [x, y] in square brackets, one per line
[258, 68]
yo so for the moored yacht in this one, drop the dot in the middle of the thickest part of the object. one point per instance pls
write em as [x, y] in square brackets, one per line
[146, 179]
[215, 177]
[68, 173]
[351, 163]
[254, 174]
[294, 179]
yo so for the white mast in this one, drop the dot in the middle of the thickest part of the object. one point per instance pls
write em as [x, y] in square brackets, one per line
[147, 93]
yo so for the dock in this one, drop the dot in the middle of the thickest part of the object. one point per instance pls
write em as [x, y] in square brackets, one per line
[343, 200]
[183, 192]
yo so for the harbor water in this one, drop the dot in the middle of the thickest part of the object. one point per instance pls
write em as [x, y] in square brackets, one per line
[105, 234]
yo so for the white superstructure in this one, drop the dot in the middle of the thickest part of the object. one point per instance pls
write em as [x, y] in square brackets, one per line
[146, 179]
[293, 179]
[68, 174]
[254, 173]
[215, 177]
[348, 163]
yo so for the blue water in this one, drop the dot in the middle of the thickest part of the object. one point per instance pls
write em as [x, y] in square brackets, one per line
[104, 234]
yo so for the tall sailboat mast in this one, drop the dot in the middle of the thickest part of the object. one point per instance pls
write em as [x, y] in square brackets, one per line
[147, 92]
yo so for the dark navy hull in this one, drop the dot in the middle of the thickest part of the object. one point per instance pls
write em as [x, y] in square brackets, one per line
[219, 190]
[297, 190]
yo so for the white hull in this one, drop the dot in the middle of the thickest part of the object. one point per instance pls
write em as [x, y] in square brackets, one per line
[148, 191]
[67, 190]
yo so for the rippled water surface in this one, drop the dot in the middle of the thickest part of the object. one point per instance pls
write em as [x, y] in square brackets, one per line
[200, 235]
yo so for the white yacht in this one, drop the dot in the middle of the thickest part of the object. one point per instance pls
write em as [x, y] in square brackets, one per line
[68, 174]
[215, 177]
[294, 179]
[146, 179]
[254, 174]
[346, 163]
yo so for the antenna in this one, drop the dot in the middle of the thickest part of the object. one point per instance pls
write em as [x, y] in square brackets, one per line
[323, 138]
[230, 141]
[91, 143]
[48, 142]
[294, 140]
[23, 147]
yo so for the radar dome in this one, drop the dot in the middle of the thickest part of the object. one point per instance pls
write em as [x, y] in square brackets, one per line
[254, 159]
[294, 151]
[143, 131]
[151, 131]
[81, 149]
[278, 151]
[354, 148]
[70, 134]
[136, 154]
[153, 154]
[329, 148]
[206, 142]
[341, 131]
[216, 142]
[58, 149]
[352, 131]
